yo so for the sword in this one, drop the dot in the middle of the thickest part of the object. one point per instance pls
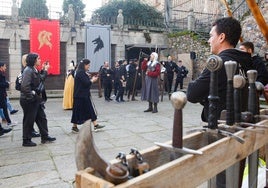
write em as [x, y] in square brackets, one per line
[214, 63]
[239, 83]
[178, 100]
[230, 68]
[253, 108]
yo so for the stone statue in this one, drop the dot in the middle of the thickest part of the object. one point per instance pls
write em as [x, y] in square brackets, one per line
[14, 11]
[71, 15]
[120, 19]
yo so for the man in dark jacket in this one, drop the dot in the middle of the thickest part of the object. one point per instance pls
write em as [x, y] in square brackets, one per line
[181, 74]
[257, 62]
[170, 69]
[224, 36]
[131, 82]
[107, 80]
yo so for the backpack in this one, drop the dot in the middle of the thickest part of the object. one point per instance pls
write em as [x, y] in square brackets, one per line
[18, 82]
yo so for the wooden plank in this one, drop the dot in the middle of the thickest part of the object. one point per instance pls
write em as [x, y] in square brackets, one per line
[89, 180]
[78, 176]
[216, 157]
[192, 170]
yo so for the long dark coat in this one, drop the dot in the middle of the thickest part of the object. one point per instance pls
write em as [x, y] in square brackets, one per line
[83, 108]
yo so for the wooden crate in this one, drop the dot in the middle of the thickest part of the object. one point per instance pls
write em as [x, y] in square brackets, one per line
[189, 170]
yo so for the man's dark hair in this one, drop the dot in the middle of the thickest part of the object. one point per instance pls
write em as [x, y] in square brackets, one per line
[248, 45]
[31, 59]
[230, 27]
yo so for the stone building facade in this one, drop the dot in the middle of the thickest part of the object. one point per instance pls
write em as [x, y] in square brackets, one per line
[14, 42]
[126, 42]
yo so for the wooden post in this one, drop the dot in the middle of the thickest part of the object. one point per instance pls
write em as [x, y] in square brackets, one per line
[258, 17]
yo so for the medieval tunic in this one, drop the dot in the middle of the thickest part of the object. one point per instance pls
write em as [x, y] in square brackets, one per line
[68, 91]
[150, 89]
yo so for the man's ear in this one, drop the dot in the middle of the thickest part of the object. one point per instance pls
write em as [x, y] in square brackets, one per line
[222, 37]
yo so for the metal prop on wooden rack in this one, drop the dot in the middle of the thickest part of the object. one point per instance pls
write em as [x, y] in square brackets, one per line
[239, 83]
[178, 100]
[230, 68]
[123, 159]
[214, 63]
[253, 108]
[243, 120]
[260, 89]
[87, 155]
[233, 101]
[140, 167]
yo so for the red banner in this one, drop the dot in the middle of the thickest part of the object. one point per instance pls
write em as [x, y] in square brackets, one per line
[45, 40]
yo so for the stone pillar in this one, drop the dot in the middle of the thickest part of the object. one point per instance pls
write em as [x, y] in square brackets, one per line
[71, 54]
[15, 59]
[120, 51]
[191, 20]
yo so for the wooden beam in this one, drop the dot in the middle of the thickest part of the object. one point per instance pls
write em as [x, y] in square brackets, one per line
[258, 17]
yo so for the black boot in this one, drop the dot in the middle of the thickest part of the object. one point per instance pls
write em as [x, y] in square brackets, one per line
[150, 107]
[155, 108]
[28, 143]
[47, 139]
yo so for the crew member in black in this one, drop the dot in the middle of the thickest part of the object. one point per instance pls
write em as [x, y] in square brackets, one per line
[107, 81]
[170, 69]
[258, 63]
[181, 74]
[131, 83]
[122, 82]
[116, 77]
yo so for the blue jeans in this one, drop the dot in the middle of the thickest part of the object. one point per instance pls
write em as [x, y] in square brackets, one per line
[9, 107]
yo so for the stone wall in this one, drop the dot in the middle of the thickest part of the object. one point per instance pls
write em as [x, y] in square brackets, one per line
[251, 31]
[189, 43]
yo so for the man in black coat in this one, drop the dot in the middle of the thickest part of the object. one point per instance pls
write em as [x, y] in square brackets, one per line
[107, 80]
[181, 74]
[224, 36]
[170, 69]
[258, 62]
